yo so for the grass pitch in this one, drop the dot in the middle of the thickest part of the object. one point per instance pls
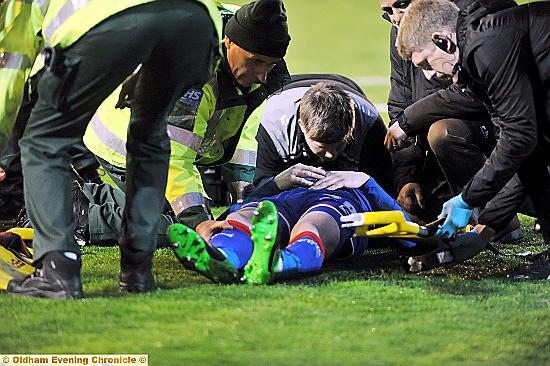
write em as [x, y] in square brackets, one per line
[367, 312]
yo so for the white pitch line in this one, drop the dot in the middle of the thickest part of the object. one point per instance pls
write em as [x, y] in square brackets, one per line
[375, 80]
[381, 107]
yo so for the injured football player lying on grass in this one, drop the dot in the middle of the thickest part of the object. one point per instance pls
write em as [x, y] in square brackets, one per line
[299, 230]
[294, 232]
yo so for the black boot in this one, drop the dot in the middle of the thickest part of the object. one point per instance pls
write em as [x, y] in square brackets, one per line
[510, 234]
[136, 271]
[57, 277]
[449, 253]
[539, 270]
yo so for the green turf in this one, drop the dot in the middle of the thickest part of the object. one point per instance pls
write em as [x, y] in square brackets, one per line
[346, 37]
[364, 312]
[367, 312]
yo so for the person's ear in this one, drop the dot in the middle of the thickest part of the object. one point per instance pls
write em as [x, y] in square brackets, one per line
[227, 42]
[444, 43]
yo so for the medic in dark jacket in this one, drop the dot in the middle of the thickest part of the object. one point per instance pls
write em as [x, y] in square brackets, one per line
[503, 52]
[433, 165]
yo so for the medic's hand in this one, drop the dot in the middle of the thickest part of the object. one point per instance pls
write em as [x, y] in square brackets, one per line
[298, 175]
[126, 95]
[395, 138]
[210, 227]
[341, 179]
[2, 174]
[457, 213]
[239, 190]
[410, 196]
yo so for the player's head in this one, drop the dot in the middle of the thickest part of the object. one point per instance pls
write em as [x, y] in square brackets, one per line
[327, 118]
[256, 38]
[427, 37]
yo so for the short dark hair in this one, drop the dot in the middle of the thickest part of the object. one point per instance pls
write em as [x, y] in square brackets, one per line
[327, 113]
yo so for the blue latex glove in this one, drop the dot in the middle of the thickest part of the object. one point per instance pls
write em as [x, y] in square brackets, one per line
[457, 213]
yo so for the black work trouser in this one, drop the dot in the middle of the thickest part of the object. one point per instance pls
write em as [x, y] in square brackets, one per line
[534, 175]
[461, 148]
[173, 41]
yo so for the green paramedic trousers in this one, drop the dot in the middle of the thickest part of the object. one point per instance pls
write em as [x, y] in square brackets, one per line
[105, 215]
[173, 40]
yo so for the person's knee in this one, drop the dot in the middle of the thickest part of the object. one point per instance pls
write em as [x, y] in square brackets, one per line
[243, 216]
[438, 135]
[324, 226]
[302, 226]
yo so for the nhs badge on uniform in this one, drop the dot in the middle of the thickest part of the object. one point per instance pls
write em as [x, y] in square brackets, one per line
[192, 97]
[186, 109]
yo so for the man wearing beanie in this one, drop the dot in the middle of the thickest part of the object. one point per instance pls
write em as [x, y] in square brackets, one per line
[209, 126]
[260, 27]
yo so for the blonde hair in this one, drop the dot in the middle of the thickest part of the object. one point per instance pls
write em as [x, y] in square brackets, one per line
[423, 18]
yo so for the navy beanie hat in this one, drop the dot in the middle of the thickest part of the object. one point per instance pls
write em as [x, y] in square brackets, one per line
[260, 27]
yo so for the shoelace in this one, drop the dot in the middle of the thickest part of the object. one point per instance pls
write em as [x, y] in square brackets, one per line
[38, 273]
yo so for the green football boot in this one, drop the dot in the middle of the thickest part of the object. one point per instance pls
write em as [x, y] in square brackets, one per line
[261, 266]
[197, 255]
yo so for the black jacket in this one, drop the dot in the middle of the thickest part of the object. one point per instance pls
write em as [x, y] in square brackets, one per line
[505, 57]
[281, 143]
[416, 103]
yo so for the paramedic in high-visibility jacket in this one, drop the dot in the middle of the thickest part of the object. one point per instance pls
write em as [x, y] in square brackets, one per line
[17, 54]
[211, 125]
[91, 47]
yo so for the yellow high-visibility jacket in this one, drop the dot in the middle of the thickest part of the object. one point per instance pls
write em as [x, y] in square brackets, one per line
[27, 25]
[208, 126]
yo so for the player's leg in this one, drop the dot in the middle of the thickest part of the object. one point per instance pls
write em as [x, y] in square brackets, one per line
[315, 237]
[260, 268]
[224, 255]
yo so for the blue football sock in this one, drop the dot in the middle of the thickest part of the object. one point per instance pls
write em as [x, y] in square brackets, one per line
[305, 253]
[235, 244]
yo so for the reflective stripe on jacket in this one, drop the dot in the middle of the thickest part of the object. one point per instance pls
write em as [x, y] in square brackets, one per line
[65, 21]
[206, 127]
[19, 46]
[26, 25]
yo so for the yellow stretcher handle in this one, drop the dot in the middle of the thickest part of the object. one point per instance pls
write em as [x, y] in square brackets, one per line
[26, 233]
[395, 225]
[13, 266]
